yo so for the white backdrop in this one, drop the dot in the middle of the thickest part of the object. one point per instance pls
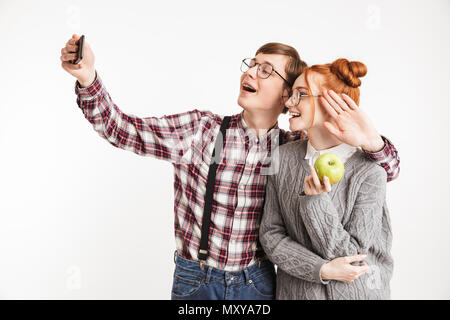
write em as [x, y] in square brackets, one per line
[82, 219]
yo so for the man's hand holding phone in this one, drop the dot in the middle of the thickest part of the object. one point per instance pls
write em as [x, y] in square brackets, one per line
[80, 66]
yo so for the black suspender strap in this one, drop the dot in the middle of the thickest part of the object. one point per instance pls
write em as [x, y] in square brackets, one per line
[206, 219]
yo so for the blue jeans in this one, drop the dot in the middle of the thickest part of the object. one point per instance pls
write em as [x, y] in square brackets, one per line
[253, 283]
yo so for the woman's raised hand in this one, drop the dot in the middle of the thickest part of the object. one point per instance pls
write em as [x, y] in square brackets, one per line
[350, 123]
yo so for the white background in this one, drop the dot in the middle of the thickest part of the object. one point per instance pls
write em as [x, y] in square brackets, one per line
[82, 219]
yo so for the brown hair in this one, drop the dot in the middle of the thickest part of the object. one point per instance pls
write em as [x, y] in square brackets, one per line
[341, 76]
[294, 67]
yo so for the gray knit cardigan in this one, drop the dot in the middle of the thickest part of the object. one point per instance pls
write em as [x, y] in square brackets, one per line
[300, 233]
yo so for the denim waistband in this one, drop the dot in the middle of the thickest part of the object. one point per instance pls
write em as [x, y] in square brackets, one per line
[251, 272]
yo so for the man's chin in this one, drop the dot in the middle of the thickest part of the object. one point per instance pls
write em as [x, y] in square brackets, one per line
[248, 104]
[242, 102]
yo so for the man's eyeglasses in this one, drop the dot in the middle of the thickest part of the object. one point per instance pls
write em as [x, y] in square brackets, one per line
[264, 69]
[297, 96]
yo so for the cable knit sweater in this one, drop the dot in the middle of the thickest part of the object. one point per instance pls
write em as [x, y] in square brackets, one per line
[300, 233]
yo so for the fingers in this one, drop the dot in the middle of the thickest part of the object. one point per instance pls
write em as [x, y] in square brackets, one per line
[68, 57]
[69, 52]
[349, 101]
[356, 271]
[308, 188]
[315, 178]
[70, 66]
[74, 39]
[356, 258]
[331, 101]
[341, 103]
[327, 184]
[71, 47]
[313, 186]
[72, 44]
[360, 270]
[333, 114]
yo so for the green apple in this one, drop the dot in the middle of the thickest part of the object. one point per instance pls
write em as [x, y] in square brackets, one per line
[330, 165]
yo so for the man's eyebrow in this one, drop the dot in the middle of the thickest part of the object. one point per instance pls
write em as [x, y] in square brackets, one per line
[265, 61]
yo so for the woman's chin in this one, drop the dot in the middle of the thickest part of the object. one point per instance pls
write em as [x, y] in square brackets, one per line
[295, 124]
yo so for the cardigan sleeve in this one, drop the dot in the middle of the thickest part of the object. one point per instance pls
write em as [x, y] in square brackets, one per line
[281, 249]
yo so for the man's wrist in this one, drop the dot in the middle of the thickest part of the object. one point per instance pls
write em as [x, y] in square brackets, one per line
[90, 81]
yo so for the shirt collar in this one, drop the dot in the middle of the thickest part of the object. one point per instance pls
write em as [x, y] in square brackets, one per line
[251, 135]
[343, 151]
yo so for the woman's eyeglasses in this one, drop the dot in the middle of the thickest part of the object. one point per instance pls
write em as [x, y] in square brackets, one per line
[297, 96]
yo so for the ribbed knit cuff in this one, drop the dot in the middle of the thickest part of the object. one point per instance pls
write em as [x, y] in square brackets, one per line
[317, 274]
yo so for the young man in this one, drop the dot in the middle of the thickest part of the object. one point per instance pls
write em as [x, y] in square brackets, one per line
[220, 179]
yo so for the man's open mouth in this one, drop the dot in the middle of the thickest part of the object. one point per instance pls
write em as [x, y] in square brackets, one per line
[246, 87]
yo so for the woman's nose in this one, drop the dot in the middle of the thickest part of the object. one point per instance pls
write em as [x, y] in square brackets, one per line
[288, 103]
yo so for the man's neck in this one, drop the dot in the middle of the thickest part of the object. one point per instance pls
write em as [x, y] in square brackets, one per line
[260, 122]
[321, 139]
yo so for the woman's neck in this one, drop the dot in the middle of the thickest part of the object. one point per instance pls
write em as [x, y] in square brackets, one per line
[260, 122]
[321, 139]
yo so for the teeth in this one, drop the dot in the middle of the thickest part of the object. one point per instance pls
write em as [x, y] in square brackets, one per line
[247, 86]
[294, 114]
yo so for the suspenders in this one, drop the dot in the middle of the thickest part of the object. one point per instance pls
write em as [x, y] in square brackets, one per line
[206, 219]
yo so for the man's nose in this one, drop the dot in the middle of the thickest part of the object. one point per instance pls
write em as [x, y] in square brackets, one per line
[253, 71]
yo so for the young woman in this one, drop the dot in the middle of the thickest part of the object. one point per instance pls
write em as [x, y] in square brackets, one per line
[338, 220]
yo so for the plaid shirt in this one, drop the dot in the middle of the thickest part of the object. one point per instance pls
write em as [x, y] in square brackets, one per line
[187, 141]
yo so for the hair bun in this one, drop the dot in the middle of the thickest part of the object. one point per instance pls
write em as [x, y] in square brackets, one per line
[349, 71]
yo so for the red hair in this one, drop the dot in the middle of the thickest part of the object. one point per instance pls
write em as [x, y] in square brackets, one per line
[341, 76]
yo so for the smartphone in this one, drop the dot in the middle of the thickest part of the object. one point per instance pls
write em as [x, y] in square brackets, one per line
[80, 50]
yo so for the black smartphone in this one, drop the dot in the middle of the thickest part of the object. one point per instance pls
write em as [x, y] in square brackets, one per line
[80, 50]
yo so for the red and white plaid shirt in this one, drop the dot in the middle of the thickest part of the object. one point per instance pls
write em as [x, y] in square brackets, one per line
[187, 141]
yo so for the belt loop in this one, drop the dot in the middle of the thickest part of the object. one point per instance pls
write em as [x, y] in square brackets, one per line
[247, 277]
[202, 264]
[208, 275]
[175, 256]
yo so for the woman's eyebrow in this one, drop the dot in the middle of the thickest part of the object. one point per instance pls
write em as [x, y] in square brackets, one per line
[301, 88]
